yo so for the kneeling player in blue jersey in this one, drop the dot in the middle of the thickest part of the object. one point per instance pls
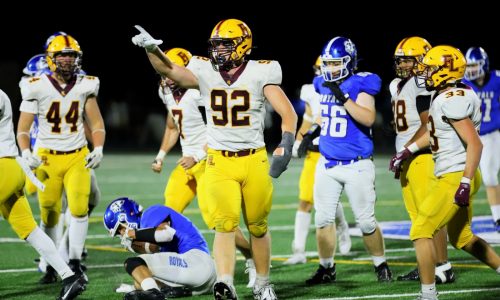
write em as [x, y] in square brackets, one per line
[174, 253]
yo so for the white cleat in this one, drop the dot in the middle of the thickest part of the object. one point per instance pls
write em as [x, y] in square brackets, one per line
[344, 238]
[264, 293]
[427, 296]
[252, 273]
[296, 258]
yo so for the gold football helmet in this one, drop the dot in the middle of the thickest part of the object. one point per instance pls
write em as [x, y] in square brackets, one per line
[409, 53]
[317, 66]
[229, 43]
[179, 56]
[443, 66]
[64, 44]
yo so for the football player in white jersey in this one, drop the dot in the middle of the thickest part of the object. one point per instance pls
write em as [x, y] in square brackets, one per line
[63, 101]
[410, 106]
[454, 121]
[306, 181]
[185, 121]
[234, 91]
[14, 206]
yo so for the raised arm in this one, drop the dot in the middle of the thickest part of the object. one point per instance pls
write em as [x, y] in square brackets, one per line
[160, 62]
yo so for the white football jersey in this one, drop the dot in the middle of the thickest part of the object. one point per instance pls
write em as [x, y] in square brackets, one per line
[235, 110]
[447, 148]
[308, 95]
[187, 118]
[404, 108]
[8, 146]
[60, 113]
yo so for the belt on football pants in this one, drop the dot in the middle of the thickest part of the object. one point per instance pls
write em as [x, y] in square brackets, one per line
[57, 152]
[420, 152]
[343, 162]
[240, 153]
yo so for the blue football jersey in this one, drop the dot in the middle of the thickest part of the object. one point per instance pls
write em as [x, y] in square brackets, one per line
[187, 236]
[489, 94]
[342, 138]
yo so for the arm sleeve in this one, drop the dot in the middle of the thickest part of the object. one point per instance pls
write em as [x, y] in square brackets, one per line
[274, 74]
[423, 103]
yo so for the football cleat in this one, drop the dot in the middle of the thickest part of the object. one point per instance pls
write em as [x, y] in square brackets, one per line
[49, 277]
[383, 273]
[444, 273]
[497, 225]
[411, 276]
[323, 275]
[176, 291]
[252, 273]
[296, 258]
[264, 293]
[223, 291]
[344, 238]
[75, 266]
[72, 287]
[152, 294]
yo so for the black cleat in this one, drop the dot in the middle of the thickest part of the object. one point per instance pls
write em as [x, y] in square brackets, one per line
[85, 254]
[411, 276]
[447, 276]
[383, 273]
[497, 225]
[72, 287]
[49, 277]
[152, 294]
[76, 266]
[323, 275]
[223, 291]
[176, 291]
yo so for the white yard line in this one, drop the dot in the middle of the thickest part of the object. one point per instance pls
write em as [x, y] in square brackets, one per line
[386, 296]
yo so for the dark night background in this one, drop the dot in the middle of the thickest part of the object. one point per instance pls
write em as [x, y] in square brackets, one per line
[295, 40]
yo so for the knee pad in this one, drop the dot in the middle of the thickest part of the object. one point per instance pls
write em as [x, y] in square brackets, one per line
[226, 225]
[368, 227]
[133, 262]
[258, 230]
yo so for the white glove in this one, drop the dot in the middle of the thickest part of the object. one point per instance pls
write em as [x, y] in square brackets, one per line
[295, 149]
[32, 160]
[94, 158]
[126, 241]
[145, 40]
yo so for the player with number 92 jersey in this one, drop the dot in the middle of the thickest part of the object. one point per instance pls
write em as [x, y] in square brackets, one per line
[236, 110]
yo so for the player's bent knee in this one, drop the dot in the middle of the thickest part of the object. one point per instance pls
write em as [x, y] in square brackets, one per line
[132, 263]
[323, 219]
[258, 230]
[226, 225]
[368, 227]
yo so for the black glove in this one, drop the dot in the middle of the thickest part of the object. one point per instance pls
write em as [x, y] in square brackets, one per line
[337, 92]
[307, 139]
[280, 162]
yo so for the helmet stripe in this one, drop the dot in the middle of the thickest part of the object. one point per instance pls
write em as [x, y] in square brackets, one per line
[329, 45]
[403, 43]
[66, 40]
[218, 26]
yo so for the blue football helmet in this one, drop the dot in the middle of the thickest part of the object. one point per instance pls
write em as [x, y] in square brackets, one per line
[122, 211]
[36, 65]
[339, 59]
[478, 63]
[53, 36]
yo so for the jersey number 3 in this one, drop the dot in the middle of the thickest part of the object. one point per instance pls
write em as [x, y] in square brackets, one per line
[54, 116]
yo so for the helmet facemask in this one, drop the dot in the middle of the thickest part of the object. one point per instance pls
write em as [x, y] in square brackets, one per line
[224, 54]
[67, 63]
[474, 70]
[403, 67]
[334, 69]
